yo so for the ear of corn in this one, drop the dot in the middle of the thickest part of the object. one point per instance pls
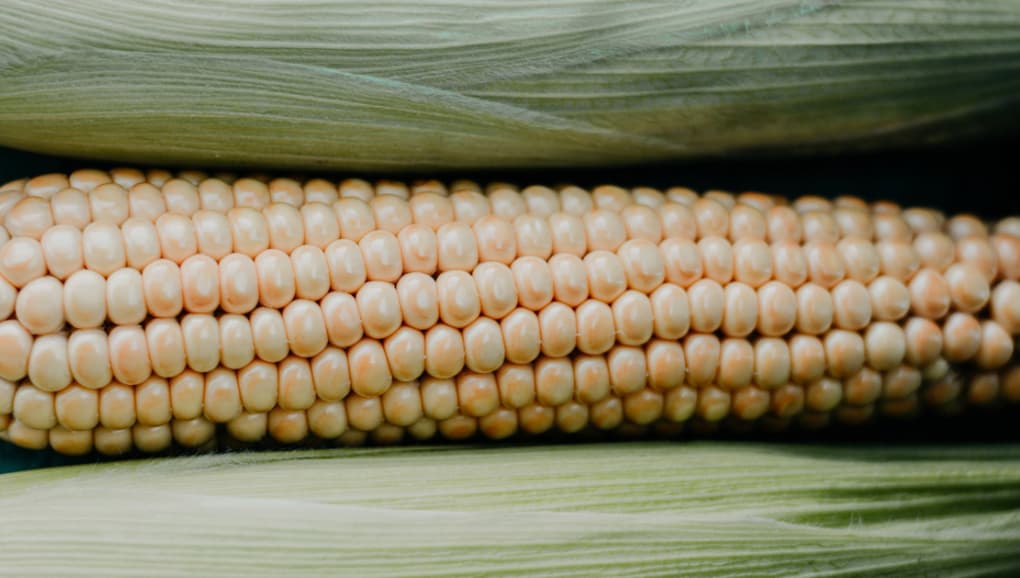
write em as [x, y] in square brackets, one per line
[571, 510]
[137, 309]
[467, 83]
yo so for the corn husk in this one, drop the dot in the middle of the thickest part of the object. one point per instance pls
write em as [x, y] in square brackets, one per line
[637, 509]
[408, 84]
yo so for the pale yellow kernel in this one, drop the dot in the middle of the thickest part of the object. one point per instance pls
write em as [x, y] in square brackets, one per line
[772, 363]
[701, 352]
[88, 357]
[275, 273]
[402, 404]
[543, 201]
[499, 424]
[202, 338]
[750, 403]
[713, 403]
[459, 303]
[288, 426]
[296, 390]
[456, 247]
[680, 404]
[666, 364]
[16, 343]
[707, 304]
[370, 372]
[534, 236]
[596, 331]
[789, 263]
[885, 344]
[165, 342]
[517, 385]
[478, 394]
[890, 299]
[740, 310]
[117, 406]
[901, 382]
[642, 264]
[438, 398]
[320, 224]
[145, 202]
[787, 401]
[177, 239]
[21, 261]
[716, 258]
[152, 402]
[405, 351]
[968, 288]
[114, 442]
[996, 347]
[311, 272]
[419, 302]
[419, 250]
[642, 223]
[346, 266]
[554, 381]
[249, 231]
[682, 261]
[257, 385]
[469, 205]
[29, 217]
[39, 306]
[863, 387]
[604, 230]
[238, 284]
[70, 443]
[1005, 306]
[815, 309]
[331, 374]
[390, 212]
[819, 226]
[591, 378]
[844, 352]
[163, 290]
[108, 203]
[484, 350]
[215, 195]
[129, 354]
[783, 224]
[851, 305]
[826, 266]
[495, 239]
[536, 419]
[434, 210]
[444, 351]
[327, 419]
[961, 337]
[671, 314]
[807, 358]
[379, 307]
[141, 242]
[736, 363]
[678, 221]
[34, 408]
[533, 282]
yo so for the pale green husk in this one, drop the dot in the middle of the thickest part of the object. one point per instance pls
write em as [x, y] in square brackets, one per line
[414, 84]
[647, 509]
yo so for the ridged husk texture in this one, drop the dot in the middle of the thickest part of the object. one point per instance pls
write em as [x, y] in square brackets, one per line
[633, 509]
[408, 84]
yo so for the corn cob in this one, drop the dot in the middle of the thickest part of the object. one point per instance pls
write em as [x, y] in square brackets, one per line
[143, 308]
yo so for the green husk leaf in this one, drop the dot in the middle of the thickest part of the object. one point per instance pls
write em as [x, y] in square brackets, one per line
[639, 509]
[403, 84]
